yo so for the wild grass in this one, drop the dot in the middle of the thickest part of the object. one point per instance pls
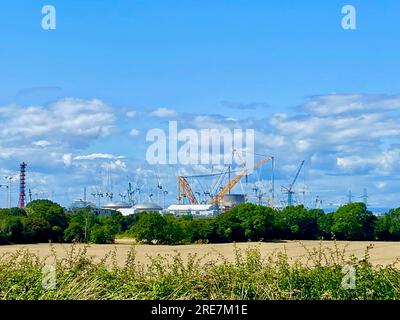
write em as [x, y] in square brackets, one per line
[249, 276]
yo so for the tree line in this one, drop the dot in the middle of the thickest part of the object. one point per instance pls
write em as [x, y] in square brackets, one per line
[44, 221]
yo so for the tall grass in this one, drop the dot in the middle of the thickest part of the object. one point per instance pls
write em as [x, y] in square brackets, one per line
[249, 276]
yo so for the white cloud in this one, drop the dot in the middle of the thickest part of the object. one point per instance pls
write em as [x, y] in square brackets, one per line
[134, 132]
[164, 113]
[63, 121]
[114, 165]
[269, 140]
[384, 162]
[95, 156]
[10, 152]
[41, 143]
[381, 184]
[67, 159]
[131, 114]
[345, 139]
[345, 134]
[47, 136]
[345, 103]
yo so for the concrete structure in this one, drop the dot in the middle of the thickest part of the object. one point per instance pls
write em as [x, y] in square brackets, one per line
[232, 200]
[116, 205]
[193, 209]
[140, 207]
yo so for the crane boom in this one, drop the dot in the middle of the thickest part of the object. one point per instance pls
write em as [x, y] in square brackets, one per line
[235, 180]
[186, 190]
[296, 176]
[289, 189]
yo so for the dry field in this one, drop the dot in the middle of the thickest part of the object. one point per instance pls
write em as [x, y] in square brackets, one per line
[382, 252]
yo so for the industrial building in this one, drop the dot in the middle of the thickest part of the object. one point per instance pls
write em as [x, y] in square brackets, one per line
[140, 207]
[116, 205]
[196, 210]
[231, 200]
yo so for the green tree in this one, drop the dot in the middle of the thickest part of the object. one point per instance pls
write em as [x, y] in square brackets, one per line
[75, 232]
[11, 230]
[296, 222]
[17, 212]
[150, 226]
[200, 230]
[353, 222]
[80, 223]
[388, 226]
[245, 222]
[256, 221]
[228, 227]
[115, 221]
[38, 230]
[47, 220]
[325, 223]
[101, 234]
[173, 230]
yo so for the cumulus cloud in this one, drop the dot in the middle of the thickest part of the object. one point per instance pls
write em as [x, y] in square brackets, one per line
[385, 162]
[346, 103]
[214, 122]
[131, 114]
[114, 165]
[73, 121]
[67, 159]
[46, 136]
[95, 156]
[134, 132]
[351, 136]
[41, 143]
[344, 135]
[164, 113]
[345, 139]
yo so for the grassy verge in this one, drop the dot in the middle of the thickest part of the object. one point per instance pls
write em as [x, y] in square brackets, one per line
[248, 277]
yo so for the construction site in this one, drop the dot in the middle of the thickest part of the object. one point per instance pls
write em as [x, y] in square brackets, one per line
[199, 195]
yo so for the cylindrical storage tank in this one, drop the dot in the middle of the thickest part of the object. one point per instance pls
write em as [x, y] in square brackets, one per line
[116, 205]
[147, 207]
[232, 200]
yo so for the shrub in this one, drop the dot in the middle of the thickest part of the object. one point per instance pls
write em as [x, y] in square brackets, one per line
[11, 230]
[75, 232]
[250, 276]
[101, 234]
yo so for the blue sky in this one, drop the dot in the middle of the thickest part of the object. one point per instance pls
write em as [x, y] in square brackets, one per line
[310, 89]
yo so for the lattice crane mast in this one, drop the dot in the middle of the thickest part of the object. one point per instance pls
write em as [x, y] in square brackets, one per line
[184, 190]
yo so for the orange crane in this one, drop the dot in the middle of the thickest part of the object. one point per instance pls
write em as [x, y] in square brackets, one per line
[235, 180]
[184, 190]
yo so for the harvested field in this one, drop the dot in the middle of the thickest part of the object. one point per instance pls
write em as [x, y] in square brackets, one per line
[382, 253]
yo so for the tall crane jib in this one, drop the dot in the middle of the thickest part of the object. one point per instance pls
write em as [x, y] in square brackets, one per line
[289, 189]
[235, 180]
